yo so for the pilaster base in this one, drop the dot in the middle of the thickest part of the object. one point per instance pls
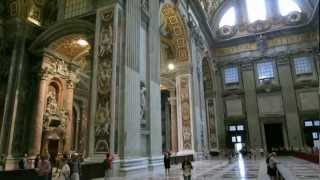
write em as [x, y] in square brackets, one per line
[198, 156]
[185, 152]
[11, 163]
[128, 165]
[155, 161]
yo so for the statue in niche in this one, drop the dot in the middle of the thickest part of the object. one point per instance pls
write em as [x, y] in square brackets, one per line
[261, 43]
[145, 5]
[143, 103]
[52, 105]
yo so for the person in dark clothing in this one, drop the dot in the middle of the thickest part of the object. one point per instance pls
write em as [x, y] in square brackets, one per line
[187, 169]
[166, 161]
[75, 167]
[36, 161]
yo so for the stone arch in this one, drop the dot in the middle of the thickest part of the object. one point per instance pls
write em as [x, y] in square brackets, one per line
[61, 29]
[175, 29]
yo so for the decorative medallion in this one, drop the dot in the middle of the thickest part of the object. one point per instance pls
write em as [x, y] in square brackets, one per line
[259, 26]
[226, 31]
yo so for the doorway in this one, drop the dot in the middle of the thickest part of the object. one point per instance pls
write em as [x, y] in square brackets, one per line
[53, 146]
[274, 136]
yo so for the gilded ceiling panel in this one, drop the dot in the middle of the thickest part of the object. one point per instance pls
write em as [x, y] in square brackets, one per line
[69, 46]
[176, 28]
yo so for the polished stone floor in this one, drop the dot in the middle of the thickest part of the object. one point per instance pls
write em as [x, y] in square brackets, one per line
[238, 169]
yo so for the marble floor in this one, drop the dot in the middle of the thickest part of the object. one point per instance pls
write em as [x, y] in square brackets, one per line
[238, 169]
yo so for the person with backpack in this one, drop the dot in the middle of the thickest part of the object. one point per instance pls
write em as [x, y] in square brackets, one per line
[187, 168]
[108, 165]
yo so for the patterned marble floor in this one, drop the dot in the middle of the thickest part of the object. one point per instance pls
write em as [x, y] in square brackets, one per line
[238, 169]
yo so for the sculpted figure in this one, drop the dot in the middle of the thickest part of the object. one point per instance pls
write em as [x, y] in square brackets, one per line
[52, 105]
[105, 47]
[142, 101]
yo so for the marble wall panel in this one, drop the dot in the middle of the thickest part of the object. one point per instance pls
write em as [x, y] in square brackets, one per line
[234, 107]
[308, 101]
[270, 104]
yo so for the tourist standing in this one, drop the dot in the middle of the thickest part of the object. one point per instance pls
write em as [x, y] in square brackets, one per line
[2, 162]
[65, 170]
[272, 166]
[36, 161]
[75, 167]
[23, 162]
[44, 168]
[166, 161]
[108, 165]
[187, 168]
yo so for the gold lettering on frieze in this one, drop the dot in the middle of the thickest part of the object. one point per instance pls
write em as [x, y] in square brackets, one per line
[236, 49]
[274, 42]
[292, 39]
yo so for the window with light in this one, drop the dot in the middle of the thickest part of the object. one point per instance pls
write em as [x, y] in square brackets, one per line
[303, 65]
[256, 10]
[265, 70]
[231, 75]
[228, 18]
[288, 6]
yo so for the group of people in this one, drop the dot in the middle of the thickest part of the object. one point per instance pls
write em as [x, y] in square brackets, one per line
[67, 166]
[186, 166]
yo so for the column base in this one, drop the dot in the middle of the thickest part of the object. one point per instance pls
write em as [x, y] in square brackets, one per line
[185, 152]
[128, 165]
[155, 161]
[11, 163]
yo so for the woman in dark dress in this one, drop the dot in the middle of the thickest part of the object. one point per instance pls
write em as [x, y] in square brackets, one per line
[166, 160]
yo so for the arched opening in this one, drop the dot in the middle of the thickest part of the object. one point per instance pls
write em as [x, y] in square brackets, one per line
[228, 18]
[175, 84]
[65, 84]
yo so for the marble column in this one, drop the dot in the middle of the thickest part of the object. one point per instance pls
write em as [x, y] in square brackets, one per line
[153, 78]
[219, 113]
[13, 90]
[19, 56]
[38, 122]
[69, 109]
[290, 104]
[130, 120]
[253, 121]
[174, 130]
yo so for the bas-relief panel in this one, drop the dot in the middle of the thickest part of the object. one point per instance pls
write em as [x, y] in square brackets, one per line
[308, 101]
[234, 107]
[104, 82]
[270, 104]
[185, 112]
[213, 144]
[273, 42]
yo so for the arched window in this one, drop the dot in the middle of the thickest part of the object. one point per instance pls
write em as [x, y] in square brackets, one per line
[256, 10]
[287, 6]
[228, 18]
